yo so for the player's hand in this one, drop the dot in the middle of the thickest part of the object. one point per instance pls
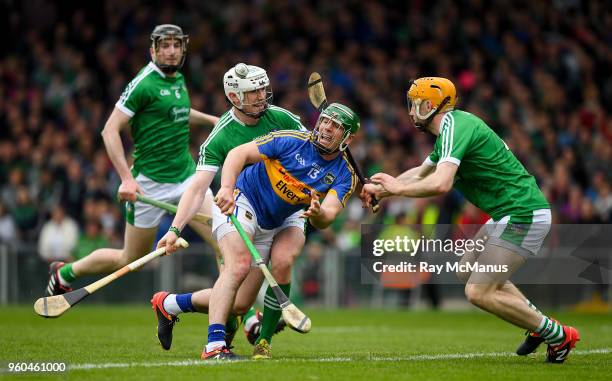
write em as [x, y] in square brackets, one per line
[169, 242]
[390, 184]
[225, 200]
[128, 189]
[368, 193]
[315, 207]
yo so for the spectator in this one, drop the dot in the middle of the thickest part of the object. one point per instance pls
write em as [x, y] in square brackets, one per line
[8, 229]
[91, 239]
[25, 214]
[58, 237]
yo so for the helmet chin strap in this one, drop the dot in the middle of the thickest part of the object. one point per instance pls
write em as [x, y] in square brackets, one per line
[422, 126]
[255, 115]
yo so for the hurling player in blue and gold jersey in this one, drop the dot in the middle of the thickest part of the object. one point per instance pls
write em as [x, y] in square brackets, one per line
[292, 170]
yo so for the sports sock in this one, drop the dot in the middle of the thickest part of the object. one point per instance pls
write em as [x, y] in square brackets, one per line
[272, 313]
[551, 331]
[232, 323]
[184, 302]
[249, 319]
[66, 276]
[178, 303]
[216, 337]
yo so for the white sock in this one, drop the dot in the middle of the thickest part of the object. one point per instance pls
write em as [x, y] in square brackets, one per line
[215, 345]
[171, 306]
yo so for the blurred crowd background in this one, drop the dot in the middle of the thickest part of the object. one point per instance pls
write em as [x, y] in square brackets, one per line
[538, 72]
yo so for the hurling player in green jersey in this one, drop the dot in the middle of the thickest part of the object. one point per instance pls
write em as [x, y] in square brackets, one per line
[247, 87]
[155, 106]
[471, 158]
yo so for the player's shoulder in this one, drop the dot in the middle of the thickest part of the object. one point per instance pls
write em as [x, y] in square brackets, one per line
[145, 78]
[459, 121]
[222, 129]
[147, 73]
[298, 135]
[280, 114]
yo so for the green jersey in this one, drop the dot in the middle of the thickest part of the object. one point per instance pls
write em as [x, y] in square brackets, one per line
[489, 175]
[230, 132]
[159, 106]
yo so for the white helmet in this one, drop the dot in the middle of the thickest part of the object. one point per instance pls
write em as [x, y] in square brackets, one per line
[243, 78]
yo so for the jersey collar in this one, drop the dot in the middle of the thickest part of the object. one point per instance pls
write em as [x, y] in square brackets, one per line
[233, 115]
[158, 70]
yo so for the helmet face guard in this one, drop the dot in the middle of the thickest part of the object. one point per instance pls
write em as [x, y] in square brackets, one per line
[267, 101]
[439, 91]
[341, 116]
[172, 32]
[242, 79]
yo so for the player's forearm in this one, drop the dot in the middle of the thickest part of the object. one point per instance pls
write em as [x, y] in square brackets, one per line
[322, 220]
[188, 206]
[415, 174]
[409, 176]
[197, 117]
[115, 151]
[327, 214]
[427, 187]
[235, 161]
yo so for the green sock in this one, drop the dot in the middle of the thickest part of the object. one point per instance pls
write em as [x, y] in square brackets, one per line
[66, 273]
[272, 313]
[249, 318]
[232, 324]
[551, 331]
[251, 312]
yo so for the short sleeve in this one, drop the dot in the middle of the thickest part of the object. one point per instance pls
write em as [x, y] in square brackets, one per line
[134, 97]
[345, 186]
[211, 156]
[453, 141]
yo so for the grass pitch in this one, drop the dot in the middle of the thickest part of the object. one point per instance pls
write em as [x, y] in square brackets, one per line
[118, 342]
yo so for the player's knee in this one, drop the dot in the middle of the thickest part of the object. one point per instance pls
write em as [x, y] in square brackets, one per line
[241, 307]
[476, 294]
[281, 268]
[240, 268]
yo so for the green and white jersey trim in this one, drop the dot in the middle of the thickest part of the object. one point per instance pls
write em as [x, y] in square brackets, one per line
[150, 68]
[447, 130]
[221, 124]
[290, 114]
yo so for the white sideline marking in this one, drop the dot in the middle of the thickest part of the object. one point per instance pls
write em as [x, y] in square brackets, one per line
[449, 356]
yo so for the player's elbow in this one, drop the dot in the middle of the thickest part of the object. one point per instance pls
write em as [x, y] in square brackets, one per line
[443, 186]
[108, 130]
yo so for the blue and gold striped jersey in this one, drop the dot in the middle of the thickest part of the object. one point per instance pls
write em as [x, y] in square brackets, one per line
[292, 169]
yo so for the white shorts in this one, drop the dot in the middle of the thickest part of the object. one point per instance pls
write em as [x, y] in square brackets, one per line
[144, 215]
[262, 238]
[521, 234]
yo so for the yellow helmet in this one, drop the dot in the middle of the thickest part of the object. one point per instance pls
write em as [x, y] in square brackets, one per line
[439, 91]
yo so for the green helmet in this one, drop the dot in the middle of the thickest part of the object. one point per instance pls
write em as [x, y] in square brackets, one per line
[345, 117]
